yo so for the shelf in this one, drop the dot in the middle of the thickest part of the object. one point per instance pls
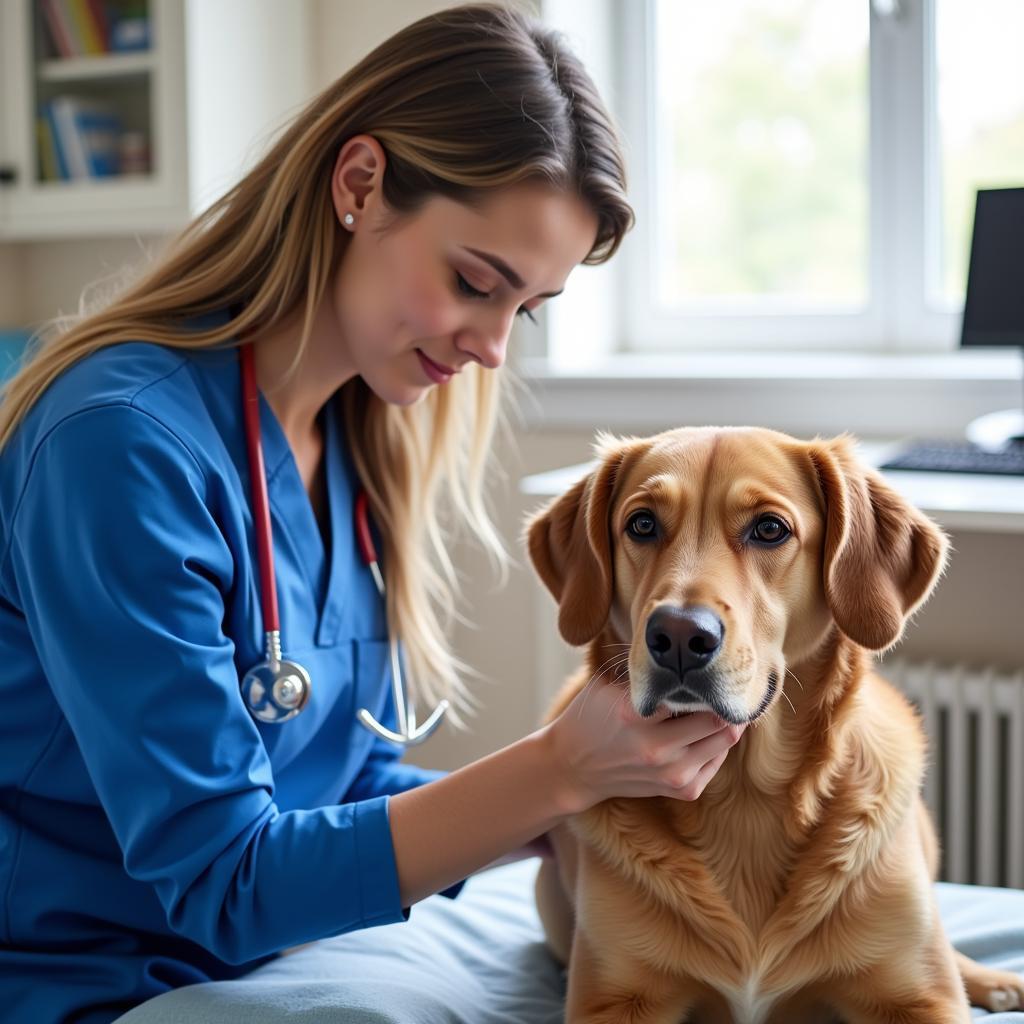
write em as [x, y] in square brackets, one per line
[99, 186]
[87, 69]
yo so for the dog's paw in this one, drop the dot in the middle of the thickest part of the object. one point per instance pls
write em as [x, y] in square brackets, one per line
[997, 991]
[1000, 999]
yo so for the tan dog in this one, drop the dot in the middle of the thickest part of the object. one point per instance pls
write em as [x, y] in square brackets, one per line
[750, 573]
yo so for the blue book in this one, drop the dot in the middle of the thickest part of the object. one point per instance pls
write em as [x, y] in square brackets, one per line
[87, 135]
[70, 143]
[129, 34]
[101, 131]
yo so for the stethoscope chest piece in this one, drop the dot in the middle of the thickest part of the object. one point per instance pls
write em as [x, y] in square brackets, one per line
[276, 690]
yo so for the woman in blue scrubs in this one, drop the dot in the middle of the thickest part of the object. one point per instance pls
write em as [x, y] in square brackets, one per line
[153, 833]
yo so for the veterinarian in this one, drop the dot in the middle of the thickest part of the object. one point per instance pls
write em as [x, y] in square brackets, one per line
[203, 571]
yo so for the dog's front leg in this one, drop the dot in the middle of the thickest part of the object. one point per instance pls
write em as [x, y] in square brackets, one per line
[616, 991]
[921, 989]
[994, 989]
[555, 911]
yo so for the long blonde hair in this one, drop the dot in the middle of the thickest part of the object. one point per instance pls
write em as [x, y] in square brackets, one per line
[464, 101]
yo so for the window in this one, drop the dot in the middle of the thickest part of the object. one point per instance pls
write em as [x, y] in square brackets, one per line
[804, 170]
[979, 108]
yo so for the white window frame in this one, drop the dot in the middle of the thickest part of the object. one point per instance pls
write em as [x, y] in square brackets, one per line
[903, 220]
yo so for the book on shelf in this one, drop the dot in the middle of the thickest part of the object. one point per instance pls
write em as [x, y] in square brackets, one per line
[86, 28]
[98, 9]
[91, 28]
[59, 26]
[79, 139]
[49, 163]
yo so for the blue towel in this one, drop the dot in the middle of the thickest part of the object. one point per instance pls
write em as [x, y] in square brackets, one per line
[481, 959]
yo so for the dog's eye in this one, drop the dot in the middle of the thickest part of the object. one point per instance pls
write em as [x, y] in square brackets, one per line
[642, 525]
[770, 530]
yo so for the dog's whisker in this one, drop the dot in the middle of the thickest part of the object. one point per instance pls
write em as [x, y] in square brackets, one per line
[623, 696]
[583, 690]
[788, 701]
[612, 673]
[602, 671]
[590, 683]
[622, 659]
[613, 657]
[790, 672]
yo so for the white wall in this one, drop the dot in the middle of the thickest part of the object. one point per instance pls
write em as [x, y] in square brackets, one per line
[227, 136]
[346, 30]
[12, 288]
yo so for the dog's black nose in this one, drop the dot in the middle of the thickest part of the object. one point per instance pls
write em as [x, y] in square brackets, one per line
[683, 638]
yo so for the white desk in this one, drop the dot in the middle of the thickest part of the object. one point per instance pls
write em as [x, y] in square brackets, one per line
[956, 501]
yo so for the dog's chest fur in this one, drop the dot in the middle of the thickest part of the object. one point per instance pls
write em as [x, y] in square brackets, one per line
[746, 853]
[751, 860]
[749, 1005]
[747, 861]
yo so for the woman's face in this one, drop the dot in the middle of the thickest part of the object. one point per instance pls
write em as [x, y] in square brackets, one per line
[441, 288]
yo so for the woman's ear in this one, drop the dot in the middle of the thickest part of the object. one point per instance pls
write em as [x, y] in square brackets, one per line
[570, 545]
[882, 557]
[358, 172]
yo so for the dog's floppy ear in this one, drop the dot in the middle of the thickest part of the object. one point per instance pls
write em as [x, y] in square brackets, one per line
[569, 541]
[882, 556]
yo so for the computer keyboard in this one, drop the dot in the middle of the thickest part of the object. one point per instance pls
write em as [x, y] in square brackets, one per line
[957, 457]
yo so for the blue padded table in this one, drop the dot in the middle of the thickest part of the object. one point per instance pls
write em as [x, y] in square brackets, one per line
[481, 959]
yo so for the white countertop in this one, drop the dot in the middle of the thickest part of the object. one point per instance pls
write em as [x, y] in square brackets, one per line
[956, 501]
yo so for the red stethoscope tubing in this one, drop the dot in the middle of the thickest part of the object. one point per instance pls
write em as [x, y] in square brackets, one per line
[363, 536]
[276, 690]
[261, 503]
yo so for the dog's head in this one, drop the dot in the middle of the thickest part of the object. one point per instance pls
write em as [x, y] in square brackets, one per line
[720, 556]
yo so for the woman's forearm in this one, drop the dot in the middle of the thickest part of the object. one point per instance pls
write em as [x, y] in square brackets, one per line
[445, 831]
[597, 748]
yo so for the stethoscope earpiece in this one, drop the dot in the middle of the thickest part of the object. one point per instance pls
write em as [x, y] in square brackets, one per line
[276, 690]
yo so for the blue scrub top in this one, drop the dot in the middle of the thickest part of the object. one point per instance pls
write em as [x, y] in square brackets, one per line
[152, 834]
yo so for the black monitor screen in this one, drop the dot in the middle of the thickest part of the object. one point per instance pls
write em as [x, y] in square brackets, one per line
[994, 304]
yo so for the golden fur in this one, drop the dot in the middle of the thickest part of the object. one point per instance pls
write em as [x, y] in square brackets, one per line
[797, 888]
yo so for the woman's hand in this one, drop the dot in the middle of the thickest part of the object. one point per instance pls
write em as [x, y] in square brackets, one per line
[604, 749]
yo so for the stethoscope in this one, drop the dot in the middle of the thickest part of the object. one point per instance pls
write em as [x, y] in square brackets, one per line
[276, 690]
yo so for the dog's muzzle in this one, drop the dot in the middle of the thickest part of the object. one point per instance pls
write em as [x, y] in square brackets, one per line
[682, 643]
[681, 639]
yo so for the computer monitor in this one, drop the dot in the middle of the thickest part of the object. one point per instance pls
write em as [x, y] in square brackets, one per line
[994, 302]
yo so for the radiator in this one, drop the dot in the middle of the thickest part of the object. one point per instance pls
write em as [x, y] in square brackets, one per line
[974, 786]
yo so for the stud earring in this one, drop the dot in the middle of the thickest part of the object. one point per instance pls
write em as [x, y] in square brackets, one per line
[349, 220]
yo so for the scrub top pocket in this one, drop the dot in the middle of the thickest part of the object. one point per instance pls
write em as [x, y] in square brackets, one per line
[332, 677]
[325, 741]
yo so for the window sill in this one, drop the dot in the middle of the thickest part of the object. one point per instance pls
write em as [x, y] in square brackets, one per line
[870, 394]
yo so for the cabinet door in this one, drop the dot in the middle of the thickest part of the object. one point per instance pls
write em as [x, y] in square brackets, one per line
[8, 162]
[46, 97]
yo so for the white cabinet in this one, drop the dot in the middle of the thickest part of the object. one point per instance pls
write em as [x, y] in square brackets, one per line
[191, 109]
[6, 158]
